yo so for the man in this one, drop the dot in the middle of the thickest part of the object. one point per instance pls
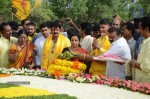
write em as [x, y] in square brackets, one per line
[86, 40]
[45, 30]
[116, 21]
[14, 27]
[142, 65]
[24, 24]
[95, 31]
[31, 32]
[127, 30]
[104, 45]
[119, 48]
[53, 45]
[5, 42]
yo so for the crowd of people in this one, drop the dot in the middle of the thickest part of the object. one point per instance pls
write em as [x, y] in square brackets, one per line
[22, 47]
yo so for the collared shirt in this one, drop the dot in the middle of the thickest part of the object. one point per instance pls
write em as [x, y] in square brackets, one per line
[4, 47]
[131, 42]
[143, 75]
[38, 48]
[121, 49]
[86, 43]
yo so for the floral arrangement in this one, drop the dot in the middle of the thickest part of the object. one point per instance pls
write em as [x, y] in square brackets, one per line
[23, 71]
[85, 78]
[62, 67]
[67, 55]
[98, 79]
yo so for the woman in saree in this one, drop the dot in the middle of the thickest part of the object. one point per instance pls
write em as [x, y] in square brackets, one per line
[75, 45]
[21, 54]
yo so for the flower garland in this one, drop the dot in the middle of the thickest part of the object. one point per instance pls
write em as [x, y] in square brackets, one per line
[62, 67]
[85, 78]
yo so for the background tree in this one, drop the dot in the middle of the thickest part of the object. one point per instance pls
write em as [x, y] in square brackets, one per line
[5, 10]
[41, 14]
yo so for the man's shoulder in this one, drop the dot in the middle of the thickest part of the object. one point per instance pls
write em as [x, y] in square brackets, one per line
[14, 39]
[39, 40]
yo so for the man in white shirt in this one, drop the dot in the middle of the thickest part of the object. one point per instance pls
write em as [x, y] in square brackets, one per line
[86, 40]
[127, 30]
[5, 42]
[118, 48]
[46, 31]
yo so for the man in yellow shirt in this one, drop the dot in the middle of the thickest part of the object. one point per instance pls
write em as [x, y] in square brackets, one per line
[104, 45]
[31, 32]
[53, 45]
[5, 43]
[141, 73]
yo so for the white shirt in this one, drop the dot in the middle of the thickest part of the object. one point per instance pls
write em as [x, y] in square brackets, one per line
[131, 44]
[39, 43]
[86, 43]
[121, 49]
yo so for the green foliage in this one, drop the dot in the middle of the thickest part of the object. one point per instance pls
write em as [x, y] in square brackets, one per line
[5, 10]
[78, 10]
[41, 14]
[145, 5]
[99, 9]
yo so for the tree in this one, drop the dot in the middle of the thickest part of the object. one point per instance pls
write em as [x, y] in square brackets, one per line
[41, 14]
[5, 10]
[75, 9]
[145, 6]
[98, 9]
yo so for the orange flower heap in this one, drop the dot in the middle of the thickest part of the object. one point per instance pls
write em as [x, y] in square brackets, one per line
[61, 67]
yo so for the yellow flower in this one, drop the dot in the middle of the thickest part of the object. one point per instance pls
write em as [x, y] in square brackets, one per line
[22, 91]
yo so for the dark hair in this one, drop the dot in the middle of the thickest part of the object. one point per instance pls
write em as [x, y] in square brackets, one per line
[2, 25]
[87, 27]
[23, 21]
[13, 25]
[70, 31]
[74, 34]
[95, 27]
[104, 21]
[114, 29]
[56, 24]
[31, 24]
[43, 25]
[128, 25]
[21, 32]
[136, 22]
[131, 27]
[49, 23]
[145, 22]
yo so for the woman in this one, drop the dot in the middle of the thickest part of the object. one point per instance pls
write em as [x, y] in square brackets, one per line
[75, 45]
[21, 54]
[141, 67]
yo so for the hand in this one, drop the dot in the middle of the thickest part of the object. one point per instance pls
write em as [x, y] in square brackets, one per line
[62, 20]
[95, 44]
[69, 21]
[79, 56]
[131, 63]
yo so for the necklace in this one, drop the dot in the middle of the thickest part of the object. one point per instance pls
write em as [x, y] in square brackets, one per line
[74, 49]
